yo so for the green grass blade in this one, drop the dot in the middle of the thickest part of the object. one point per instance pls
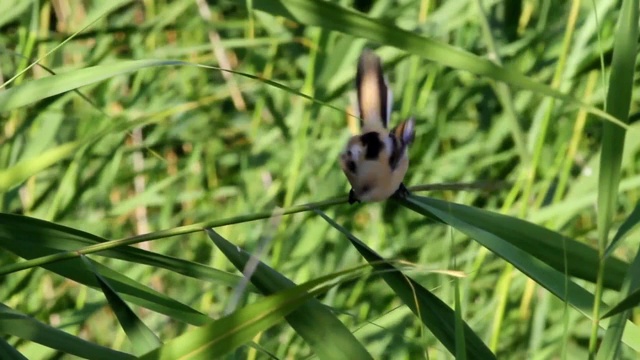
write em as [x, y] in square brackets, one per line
[32, 240]
[622, 311]
[618, 103]
[484, 231]
[224, 335]
[619, 96]
[9, 352]
[181, 230]
[334, 17]
[141, 337]
[35, 90]
[543, 244]
[324, 332]
[629, 223]
[25, 327]
[161, 153]
[439, 318]
[11, 10]
[72, 240]
[14, 175]
[461, 344]
[491, 234]
[629, 302]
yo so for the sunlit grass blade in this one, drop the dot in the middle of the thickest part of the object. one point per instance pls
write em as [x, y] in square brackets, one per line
[322, 330]
[36, 90]
[439, 318]
[629, 223]
[99, 12]
[332, 16]
[11, 10]
[25, 327]
[222, 336]
[36, 241]
[14, 175]
[142, 338]
[546, 245]
[276, 85]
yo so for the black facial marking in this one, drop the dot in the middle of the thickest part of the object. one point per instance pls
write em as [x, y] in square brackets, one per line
[358, 82]
[351, 165]
[383, 98]
[395, 152]
[373, 144]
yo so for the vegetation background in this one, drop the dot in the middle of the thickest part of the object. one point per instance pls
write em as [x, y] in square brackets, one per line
[130, 150]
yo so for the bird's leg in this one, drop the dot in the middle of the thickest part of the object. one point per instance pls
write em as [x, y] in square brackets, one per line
[352, 197]
[402, 191]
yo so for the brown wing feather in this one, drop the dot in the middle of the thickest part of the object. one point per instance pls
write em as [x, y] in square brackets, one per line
[402, 135]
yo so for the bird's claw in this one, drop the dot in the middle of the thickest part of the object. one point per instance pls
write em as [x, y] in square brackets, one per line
[402, 192]
[352, 197]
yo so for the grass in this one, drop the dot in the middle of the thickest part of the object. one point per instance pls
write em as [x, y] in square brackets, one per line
[154, 153]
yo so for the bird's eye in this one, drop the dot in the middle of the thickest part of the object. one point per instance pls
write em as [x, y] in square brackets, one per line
[365, 188]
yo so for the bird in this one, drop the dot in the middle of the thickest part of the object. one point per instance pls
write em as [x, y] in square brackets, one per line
[376, 161]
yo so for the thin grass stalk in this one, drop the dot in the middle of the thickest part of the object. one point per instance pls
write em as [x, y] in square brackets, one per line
[574, 142]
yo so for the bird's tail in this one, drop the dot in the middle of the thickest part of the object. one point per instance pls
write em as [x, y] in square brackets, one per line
[374, 96]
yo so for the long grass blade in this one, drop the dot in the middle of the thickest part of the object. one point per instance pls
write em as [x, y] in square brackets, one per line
[618, 102]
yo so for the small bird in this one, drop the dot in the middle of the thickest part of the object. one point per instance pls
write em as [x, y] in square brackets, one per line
[376, 161]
